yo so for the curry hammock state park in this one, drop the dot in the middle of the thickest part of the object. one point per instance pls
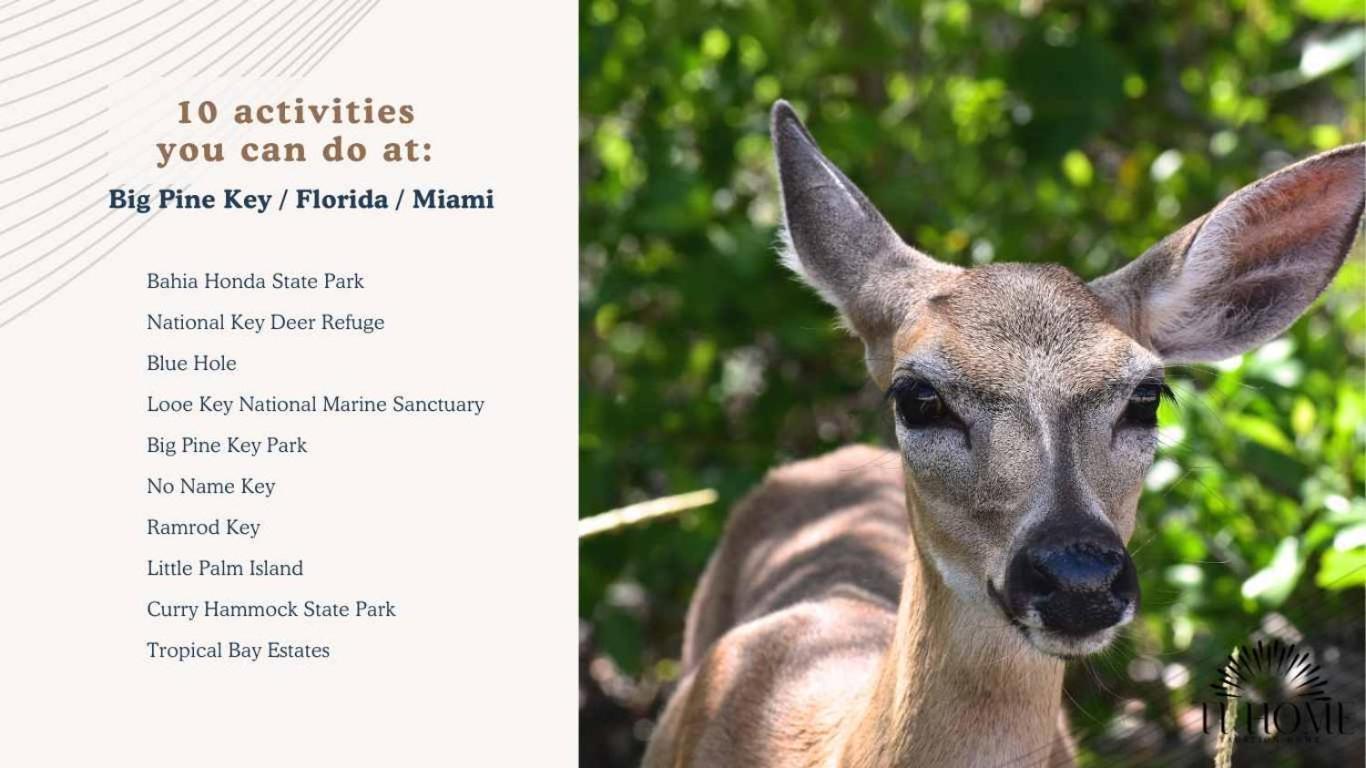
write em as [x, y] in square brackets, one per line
[397, 404]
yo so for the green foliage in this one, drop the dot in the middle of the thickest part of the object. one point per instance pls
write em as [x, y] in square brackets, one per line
[1077, 133]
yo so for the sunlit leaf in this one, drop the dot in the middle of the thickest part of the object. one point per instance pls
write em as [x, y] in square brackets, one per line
[1260, 431]
[1274, 583]
[1341, 569]
[1332, 10]
[1322, 57]
[1077, 168]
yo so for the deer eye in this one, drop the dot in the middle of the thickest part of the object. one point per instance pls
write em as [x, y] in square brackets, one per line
[1142, 407]
[918, 404]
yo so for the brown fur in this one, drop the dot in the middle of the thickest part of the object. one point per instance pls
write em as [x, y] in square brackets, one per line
[846, 618]
[821, 552]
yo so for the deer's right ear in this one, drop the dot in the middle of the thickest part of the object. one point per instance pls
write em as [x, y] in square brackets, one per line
[836, 240]
[1243, 272]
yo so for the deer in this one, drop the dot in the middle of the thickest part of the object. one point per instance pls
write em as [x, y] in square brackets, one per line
[916, 607]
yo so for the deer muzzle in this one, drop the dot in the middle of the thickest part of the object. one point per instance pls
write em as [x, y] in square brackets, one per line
[1073, 583]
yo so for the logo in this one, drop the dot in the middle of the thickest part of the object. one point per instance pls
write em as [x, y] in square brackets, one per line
[1277, 694]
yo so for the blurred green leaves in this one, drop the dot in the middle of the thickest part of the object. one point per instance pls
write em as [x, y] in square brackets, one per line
[1069, 132]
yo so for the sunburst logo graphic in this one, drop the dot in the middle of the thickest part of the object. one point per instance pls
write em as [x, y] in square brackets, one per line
[1273, 692]
[1270, 672]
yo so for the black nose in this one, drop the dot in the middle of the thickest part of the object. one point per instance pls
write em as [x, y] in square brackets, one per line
[1079, 585]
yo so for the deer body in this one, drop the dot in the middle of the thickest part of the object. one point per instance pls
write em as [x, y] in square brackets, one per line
[908, 608]
[822, 552]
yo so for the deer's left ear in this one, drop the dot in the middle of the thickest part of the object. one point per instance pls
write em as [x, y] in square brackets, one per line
[1245, 271]
[839, 243]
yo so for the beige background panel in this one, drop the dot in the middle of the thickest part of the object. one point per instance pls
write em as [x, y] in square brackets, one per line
[466, 523]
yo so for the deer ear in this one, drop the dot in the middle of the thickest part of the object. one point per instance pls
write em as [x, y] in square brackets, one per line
[1244, 272]
[836, 240]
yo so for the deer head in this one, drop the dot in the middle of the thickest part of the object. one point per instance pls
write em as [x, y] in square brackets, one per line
[1025, 399]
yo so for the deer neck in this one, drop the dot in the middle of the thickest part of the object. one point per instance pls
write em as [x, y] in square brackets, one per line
[956, 688]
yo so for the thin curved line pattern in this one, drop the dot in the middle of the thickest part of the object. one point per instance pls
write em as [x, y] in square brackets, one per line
[51, 136]
[8, 19]
[307, 35]
[49, 230]
[48, 20]
[74, 256]
[347, 34]
[193, 35]
[60, 246]
[270, 36]
[293, 31]
[54, 110]
[249, 36]
[219, 39]
[132, 50]
[79, 272]
[69, 33]
[54, 158]
[63, 235]
[348, 9]
[66, 199]
[55, 181]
